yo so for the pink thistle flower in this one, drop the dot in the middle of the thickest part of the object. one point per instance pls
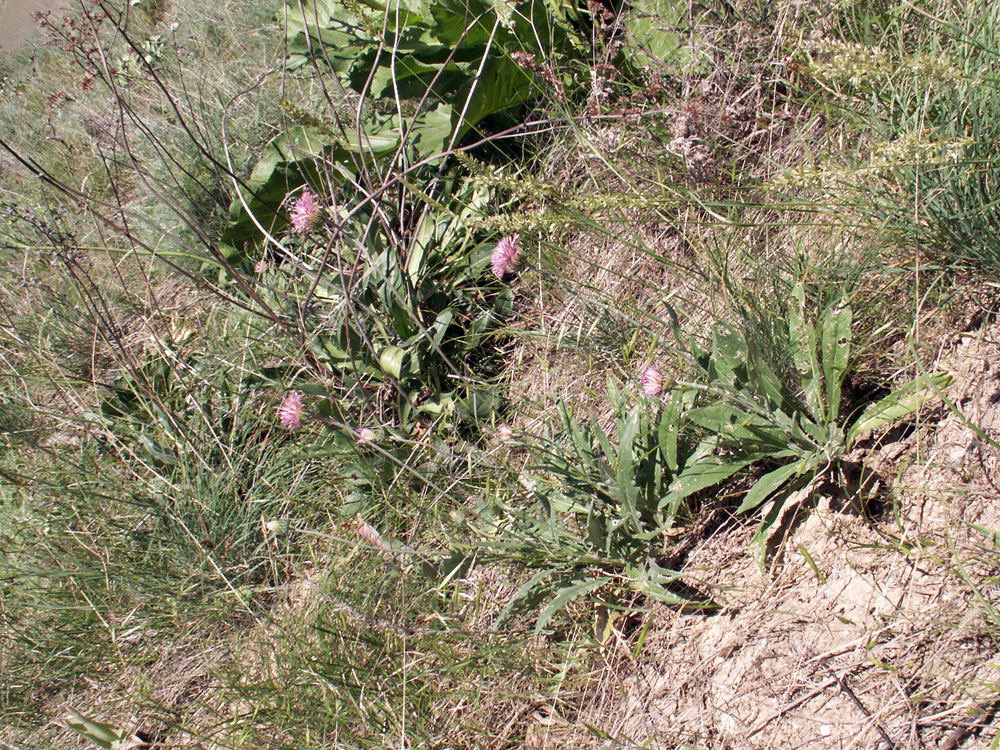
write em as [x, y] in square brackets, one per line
[364, 435]
[652, 381]
[506, 255]
[290, 411]
[306, 212]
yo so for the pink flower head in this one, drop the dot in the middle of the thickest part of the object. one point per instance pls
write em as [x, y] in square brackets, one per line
[306, 212]
[364, 436]
[290, 411]
[504, 433]
[652, 381]
[506, 254]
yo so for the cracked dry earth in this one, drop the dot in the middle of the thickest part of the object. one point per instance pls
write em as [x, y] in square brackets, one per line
[861, 635]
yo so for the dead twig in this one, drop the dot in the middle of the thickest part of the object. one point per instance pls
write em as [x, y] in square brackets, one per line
[861, 706]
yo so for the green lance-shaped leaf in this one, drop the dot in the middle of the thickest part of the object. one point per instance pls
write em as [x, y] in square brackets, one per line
[607, 449]
[697, 477]
[991, 535]
[900, 403]
[527, 596]
[392, 360]
[729, 354]
[736, 426]
[628, 493]
[758, 542]
[653, 580]
[773, 481]
[802, 341]
[668, 430]
[836, 354]
[564, 596]
[102, 734]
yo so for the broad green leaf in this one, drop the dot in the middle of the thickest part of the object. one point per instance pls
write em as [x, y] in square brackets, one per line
[284, 165]
[614, 393]
[378, 138]
[902, 402]
[449, 52]
[503, 85]
[719, 417]
[330, 408]
[457, 565]
[729, 355]
[609, 451]
[440, 326]
[773, 481]
[431, 130]
[313, 24]
[564, 596]
[739, 428]
[451, 27]
[597, 529]
[154, 451]
[488, 320]
[668, 431]
[402, 320]
[339, 352]
[404, 407]
[392, 360]
[443, 405]
[810, 431]
[675, 327]
[652, 469]
[480, 404]
[836, 355]
[696, 477]
[297, 143]
[659, 34]
[423, 241]
[388, 78]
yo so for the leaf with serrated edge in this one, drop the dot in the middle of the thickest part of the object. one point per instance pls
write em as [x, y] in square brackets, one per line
[566, 594]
